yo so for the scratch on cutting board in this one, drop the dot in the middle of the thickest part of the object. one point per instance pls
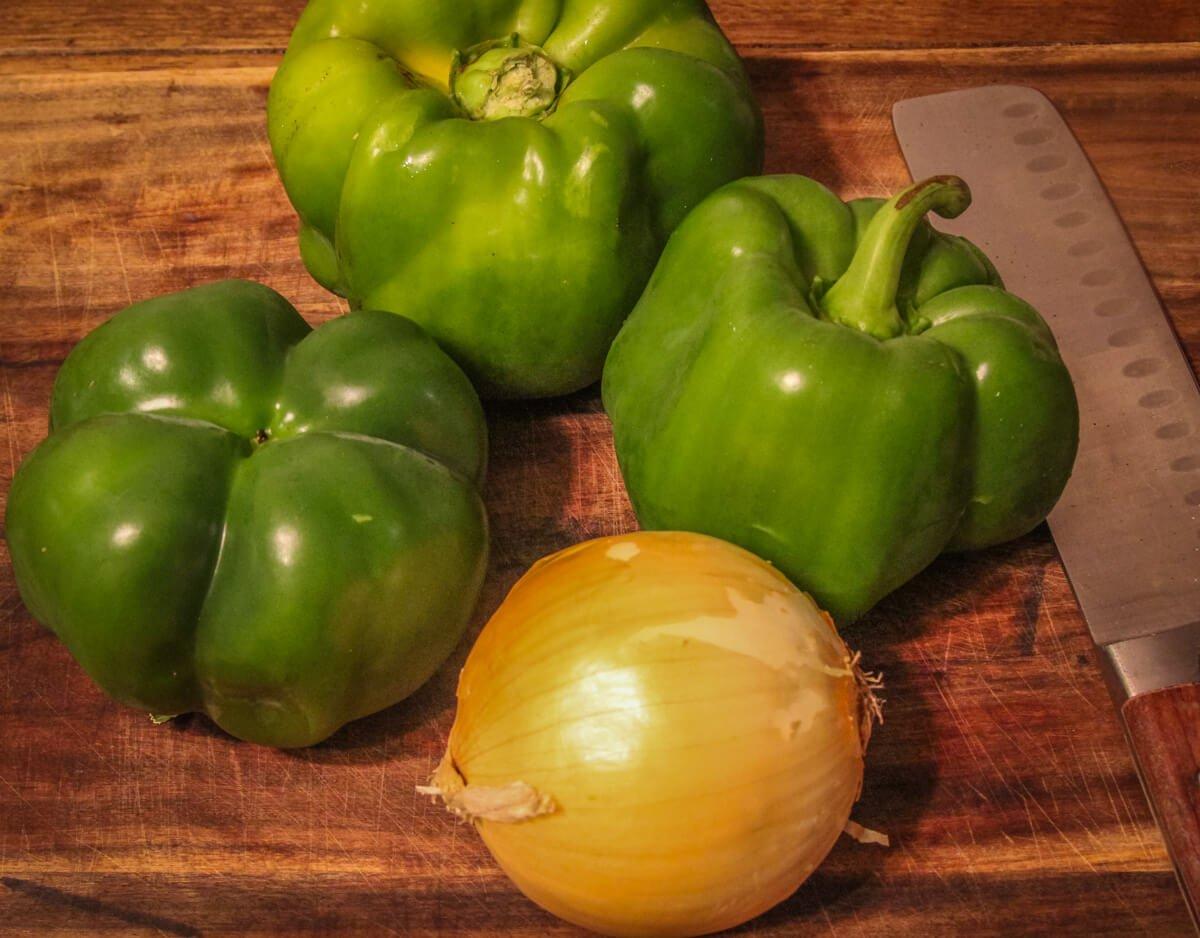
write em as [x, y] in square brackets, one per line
[79, 734]
[964, 730]
[11, 419]
[58, 897]
[1030, 798]
[824, 911]
[45, 190]
[16, 791]
[1046, 752]
[971, 880]
[1075, 848]
[121, 261]
[157, 243]
[1104, 776]
[260, 137]
[1066, 672]
[1106, 773]
[1077, 763]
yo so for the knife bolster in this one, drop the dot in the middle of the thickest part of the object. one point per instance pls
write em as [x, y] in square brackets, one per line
[1149, 663]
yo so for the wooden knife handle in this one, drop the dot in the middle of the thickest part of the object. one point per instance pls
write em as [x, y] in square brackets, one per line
[1164, 731]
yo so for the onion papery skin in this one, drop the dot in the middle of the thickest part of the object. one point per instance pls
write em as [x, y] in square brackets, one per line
[690, 722]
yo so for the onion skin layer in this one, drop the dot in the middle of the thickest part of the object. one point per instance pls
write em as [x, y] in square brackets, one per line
[688, 721]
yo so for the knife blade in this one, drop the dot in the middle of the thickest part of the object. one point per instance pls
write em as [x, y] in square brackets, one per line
[1128, 524]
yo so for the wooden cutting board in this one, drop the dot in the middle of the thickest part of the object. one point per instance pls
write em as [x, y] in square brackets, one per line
[133, 161]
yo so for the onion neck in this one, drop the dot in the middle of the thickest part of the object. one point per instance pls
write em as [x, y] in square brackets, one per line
[864, 297]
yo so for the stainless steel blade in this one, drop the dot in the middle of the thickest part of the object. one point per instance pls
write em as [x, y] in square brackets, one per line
[1128, 525]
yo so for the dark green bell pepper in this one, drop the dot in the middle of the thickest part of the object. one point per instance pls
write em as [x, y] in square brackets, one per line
[838, 387]
[505, 173]
[239, 515]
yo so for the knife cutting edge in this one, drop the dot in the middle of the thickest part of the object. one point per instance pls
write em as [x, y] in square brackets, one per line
[1128, 524]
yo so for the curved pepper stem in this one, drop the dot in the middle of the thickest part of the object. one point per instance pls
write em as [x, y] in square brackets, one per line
[864, 297]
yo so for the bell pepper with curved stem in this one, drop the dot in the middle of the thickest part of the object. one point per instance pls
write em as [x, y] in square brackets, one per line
[505, 173]
[838, 387]
[236, 514]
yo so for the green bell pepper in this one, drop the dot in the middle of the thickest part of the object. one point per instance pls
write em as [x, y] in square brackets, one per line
[239, 515]
[838, 387]
[505, 173]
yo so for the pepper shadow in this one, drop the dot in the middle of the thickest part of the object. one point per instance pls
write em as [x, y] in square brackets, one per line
[905, 755]
[796, 138]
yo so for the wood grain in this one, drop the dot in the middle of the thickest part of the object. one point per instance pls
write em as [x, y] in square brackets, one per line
[135, 162]
[1164, 729]
[83, 27]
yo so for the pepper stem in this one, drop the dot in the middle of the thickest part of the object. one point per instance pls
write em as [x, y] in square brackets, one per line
[864, 297]
[505, 78]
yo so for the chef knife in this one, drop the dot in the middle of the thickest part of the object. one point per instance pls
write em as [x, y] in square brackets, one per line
[1128, 524]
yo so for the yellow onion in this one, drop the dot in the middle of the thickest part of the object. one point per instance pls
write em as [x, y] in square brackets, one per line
[657, 734]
